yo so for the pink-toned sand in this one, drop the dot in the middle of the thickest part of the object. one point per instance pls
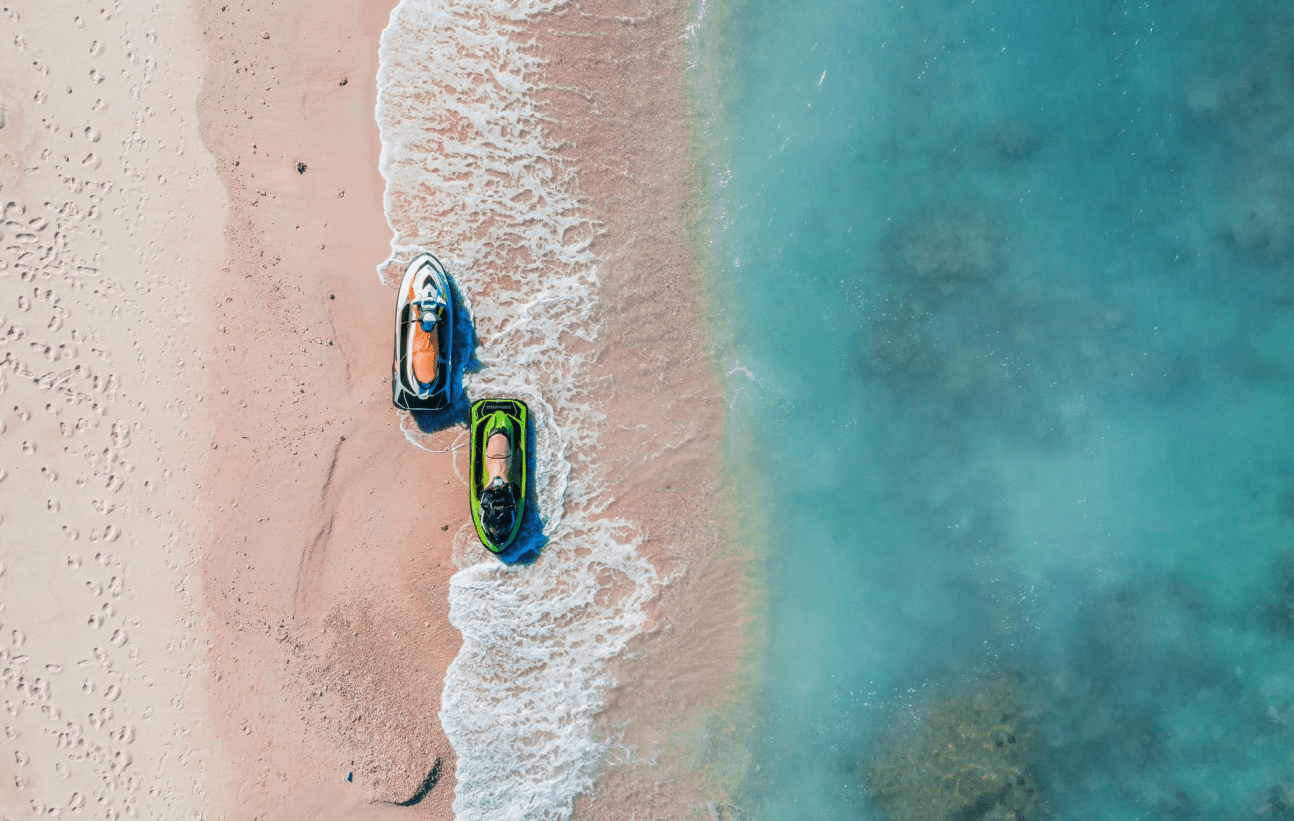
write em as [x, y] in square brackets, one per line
[215, 541]
[329, 560]
[616, 90]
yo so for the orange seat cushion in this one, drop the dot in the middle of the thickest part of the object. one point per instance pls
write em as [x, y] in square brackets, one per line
[426, 354]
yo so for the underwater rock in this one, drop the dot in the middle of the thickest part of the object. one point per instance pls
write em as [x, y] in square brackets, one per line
[1258, 214]
[1245, 90]
[1015, 140]
[896, 348]
[1276, 804]
[967, 759]
[1285, 504]
[970, 371]
[944, 248]
[1280, 607]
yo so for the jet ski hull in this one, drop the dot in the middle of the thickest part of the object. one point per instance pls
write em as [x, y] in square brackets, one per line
[485, 419]
[424, 273]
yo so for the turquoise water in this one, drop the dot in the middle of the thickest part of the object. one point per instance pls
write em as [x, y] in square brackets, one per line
[1004, 296]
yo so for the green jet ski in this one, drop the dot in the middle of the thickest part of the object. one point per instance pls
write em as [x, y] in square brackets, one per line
[498, 465]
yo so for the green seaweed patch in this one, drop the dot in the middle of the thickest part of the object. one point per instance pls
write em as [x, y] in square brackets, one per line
[962, 758]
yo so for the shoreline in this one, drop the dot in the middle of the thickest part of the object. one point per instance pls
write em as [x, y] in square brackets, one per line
[649, 316]
[565, 202]
[618, 97]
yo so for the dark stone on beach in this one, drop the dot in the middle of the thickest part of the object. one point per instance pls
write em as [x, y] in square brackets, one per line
[301, 168]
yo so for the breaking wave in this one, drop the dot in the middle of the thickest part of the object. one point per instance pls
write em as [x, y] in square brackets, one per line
[471, 175]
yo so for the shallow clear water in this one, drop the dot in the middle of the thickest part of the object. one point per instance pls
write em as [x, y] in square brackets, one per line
[1005, 303]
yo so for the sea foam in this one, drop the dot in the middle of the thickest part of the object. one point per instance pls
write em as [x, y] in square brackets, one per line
[472, 175]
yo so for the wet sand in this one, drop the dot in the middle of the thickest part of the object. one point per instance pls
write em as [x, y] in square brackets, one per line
[616, 90]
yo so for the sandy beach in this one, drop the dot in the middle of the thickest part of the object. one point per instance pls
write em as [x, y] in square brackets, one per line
[112, 211]
[226, 563]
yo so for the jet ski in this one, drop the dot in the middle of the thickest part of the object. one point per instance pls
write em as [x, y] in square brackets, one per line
[498, 470]
[421, 372]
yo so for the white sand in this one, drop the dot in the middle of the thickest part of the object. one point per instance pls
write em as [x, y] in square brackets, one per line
[108, 221]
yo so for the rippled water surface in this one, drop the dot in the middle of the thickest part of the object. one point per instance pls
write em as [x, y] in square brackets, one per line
[1004, 294]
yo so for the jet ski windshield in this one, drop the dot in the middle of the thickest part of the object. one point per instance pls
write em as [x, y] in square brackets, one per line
[499, 510]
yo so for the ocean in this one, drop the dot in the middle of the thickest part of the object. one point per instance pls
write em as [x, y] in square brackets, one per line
[1002, 296]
